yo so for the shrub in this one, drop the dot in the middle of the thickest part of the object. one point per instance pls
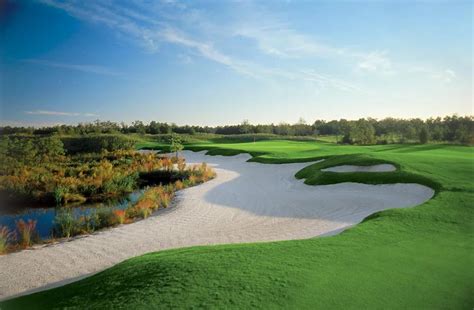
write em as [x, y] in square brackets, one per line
[121, 216]
[165, 200]
[144, 212]
[70, 197]
[203, 173]
[90, 223]
[181, 163]
[6, 237]
[59, 193]
[97, 143]
[145, 206]
[131, 212]
[64, 224]
[27, 232]
[178, 185]
[192, 180]
[167, 163]
[106, 217]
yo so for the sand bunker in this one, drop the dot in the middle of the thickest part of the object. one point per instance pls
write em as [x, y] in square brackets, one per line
[350, 168]
[246, 202]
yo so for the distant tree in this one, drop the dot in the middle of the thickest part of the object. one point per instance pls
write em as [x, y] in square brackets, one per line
[302, 129]
[464, 135]
[345, 128]
[424, 135]
[284, 129]
[153, 128]
[138, 127]
[245, 127]
[264, 129]
[362, 132]
[408, 132]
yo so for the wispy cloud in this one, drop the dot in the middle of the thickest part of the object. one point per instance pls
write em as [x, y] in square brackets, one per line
[376, 61]
[60, 113]
[278, 39]
[206, 50]
[76, 67]
[184, 59]
[331, 81]
[150, 31]
[444, 75]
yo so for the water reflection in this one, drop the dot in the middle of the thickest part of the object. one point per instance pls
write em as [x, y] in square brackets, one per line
[45, 216]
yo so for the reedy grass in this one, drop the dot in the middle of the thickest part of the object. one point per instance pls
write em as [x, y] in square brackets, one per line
[27, 232]
[6, 238]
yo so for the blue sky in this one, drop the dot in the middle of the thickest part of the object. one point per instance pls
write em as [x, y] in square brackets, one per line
[220, 62]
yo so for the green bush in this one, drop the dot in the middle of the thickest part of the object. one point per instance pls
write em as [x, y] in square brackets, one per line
[106, 217]
[59, 193]
[121, 183]
[97, 143]
[65, 225]
[90, 223]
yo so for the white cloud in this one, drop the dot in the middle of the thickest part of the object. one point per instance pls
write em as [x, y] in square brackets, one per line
[311, 75]
[59, 113]
[206, 50]
[278, 40]
[375, 62]
[446, 75]
[185, 59]
[272, 37]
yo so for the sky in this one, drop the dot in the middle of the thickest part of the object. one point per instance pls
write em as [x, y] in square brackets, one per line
[222, 62]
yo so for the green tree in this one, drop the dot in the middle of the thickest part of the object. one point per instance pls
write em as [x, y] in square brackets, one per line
[424, 135]
[245, 127]
[362, 132]
[176, 144]
[464, 135]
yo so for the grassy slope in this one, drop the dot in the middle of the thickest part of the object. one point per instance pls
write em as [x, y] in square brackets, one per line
[417, 258]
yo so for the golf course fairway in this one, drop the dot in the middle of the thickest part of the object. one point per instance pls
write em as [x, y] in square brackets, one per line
[419, 258]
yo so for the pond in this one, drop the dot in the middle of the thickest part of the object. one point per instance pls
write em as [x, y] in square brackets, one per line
[45, 215]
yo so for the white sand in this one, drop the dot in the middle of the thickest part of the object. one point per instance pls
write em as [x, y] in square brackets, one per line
[351, 168]
[246, 202]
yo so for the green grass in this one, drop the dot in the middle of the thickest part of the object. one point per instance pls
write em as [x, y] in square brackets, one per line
[418, 258]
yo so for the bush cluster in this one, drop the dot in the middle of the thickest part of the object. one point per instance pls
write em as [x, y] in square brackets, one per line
[31, 173]
[97, 143]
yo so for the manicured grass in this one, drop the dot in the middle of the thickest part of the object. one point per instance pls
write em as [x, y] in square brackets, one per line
[418, 258]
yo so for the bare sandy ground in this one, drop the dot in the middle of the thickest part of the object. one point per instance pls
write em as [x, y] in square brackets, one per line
[351, 168]
[246, 202]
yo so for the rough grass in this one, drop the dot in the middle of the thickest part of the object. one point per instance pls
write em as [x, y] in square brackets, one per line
[417, 258]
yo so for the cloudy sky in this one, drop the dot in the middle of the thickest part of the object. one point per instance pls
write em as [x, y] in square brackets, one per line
[220, 62]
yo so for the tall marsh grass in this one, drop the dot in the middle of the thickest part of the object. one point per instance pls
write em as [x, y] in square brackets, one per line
[67, 225]
[6, 238]
[27, 232]
[121, 216]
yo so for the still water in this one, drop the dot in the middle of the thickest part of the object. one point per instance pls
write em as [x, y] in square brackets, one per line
[45, 216]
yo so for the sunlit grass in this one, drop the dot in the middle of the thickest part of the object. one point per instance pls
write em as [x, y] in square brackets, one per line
[418, 258]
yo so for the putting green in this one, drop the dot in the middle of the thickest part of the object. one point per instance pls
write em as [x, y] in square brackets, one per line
[406, 258]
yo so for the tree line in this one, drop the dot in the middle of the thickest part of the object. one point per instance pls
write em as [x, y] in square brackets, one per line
[457, 129]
